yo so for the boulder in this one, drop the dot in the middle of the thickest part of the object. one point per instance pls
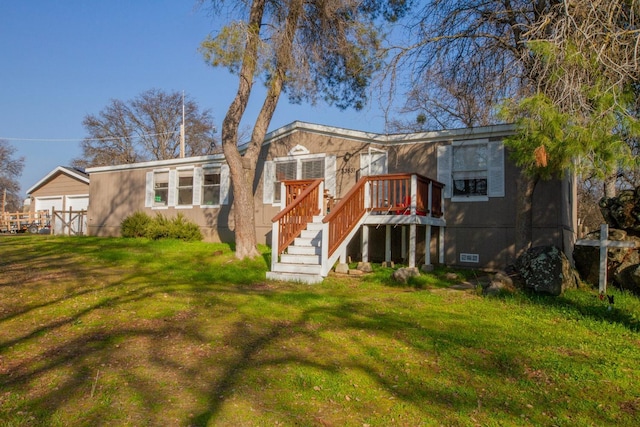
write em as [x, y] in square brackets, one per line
[622, 211]
[365, 267]
[500, 283]
[402, 275]
[620, 261]
[546, 269]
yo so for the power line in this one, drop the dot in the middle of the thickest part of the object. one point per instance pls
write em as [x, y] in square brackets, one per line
[85, 139]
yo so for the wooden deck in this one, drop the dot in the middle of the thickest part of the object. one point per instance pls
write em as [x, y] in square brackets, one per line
[407, 199]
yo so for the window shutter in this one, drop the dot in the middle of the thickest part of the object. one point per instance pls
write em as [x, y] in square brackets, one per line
[330, 174]
[150, 192]
[268, 180]
[225, 184]
[197, 186]
[172, 188]
[495, 172]
[444, 168]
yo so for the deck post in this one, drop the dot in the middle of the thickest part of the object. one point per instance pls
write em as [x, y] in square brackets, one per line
[387, 244]
[427, 245]
[412, 244]
[365, 243]
[414, 194]
[441, 245]
[403, 243]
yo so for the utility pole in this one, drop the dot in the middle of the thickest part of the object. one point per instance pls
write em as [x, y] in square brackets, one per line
[182, 147]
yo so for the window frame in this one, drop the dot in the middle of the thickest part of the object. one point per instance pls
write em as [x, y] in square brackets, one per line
[494, 170]
[154, 203]
[269, 194]
[203, 186]
[179, 188]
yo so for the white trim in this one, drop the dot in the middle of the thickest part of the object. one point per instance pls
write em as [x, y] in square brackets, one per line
[470, 199]
[158, 163]
[393, 139]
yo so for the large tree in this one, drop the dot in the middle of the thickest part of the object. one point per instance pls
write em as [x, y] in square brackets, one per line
[310, 49]
[146, 128]
[565, 66]
[10, 170]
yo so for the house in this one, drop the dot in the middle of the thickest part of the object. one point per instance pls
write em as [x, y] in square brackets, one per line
[62, 189]
[446, 196]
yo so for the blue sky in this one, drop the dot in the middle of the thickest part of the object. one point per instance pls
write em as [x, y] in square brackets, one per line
[65, 59]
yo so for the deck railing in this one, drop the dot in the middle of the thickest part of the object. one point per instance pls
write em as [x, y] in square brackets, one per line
[345, 215]
[305, 203]
[394, 194]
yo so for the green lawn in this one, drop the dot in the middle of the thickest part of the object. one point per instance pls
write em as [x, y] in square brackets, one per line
[163, 333]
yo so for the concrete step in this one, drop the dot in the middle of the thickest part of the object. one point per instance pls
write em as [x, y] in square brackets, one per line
[297, 268]
[310, 279]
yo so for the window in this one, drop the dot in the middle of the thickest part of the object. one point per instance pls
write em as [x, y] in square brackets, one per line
[297, 167]
[313, 168]
[185, 187]
[211, 186]
[161, 188]
[284, 171]
[470, 170]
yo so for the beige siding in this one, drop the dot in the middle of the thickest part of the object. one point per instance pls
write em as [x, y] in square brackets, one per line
[61, 184]
[486, 228]
[115, 195]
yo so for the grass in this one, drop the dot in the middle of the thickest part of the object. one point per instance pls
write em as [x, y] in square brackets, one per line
[137, 332]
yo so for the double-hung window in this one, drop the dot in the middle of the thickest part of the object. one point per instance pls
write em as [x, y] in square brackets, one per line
[284, 171]
[472, 170]
[299, 165]
[185, 187]
[211, 186]
[161, 188]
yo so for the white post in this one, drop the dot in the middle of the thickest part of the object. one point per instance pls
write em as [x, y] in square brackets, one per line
[602, 277]
[427, 245]
[412, 245]
[414, 191]
[441, 245]
[365, 243]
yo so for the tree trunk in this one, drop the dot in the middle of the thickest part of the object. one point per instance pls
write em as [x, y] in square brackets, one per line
[242, 169]
[610, 186]
[525, 187]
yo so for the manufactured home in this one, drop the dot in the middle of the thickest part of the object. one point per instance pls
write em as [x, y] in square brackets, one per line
[421, 198]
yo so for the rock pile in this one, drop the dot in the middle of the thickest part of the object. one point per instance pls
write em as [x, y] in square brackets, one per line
[622, 214]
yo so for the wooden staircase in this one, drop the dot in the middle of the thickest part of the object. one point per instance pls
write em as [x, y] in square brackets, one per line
[302, 260]
[306, 244]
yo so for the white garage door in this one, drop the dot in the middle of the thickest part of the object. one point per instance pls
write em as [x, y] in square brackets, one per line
[77, 203]
[47, 203]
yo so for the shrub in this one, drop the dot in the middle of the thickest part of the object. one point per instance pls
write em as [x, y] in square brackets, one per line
[177, 228]
[140, 224]
[135, 225]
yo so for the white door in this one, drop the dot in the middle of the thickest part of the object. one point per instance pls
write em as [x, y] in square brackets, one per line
[51, 203]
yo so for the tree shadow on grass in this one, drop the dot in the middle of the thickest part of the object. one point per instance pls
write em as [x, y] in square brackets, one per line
[144, 347]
